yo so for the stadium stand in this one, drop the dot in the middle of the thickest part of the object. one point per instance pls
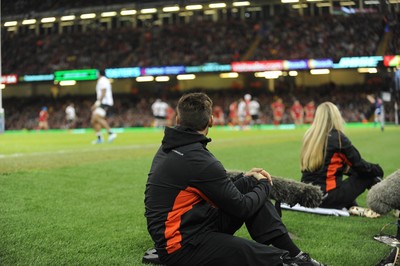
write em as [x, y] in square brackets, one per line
[195, 42]
[220, 41]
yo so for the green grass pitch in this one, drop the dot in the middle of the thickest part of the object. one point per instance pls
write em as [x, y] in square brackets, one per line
[64, 201]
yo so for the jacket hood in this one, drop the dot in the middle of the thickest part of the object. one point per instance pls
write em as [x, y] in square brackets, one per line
[180, 136]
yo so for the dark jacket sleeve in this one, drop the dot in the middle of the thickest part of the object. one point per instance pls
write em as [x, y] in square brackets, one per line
[224, 195]
[353, 157]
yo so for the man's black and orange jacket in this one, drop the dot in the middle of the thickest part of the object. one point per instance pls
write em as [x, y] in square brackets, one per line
[340, 155]
[186, 188]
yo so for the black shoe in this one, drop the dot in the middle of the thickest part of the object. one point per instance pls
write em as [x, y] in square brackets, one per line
[303, 259]
[393, 259]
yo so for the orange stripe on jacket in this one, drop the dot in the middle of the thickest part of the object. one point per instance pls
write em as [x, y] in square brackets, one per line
[334, 164]
[345, 159]
[183, 203]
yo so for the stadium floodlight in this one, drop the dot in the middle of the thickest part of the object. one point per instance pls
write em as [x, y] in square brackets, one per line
[394, 1]
[217, 5]
[144, 79]
[289, 1]
[88, 16]
[10, 29]
[268, 74]
[374, 2]
[128, 12]
[321, 71]
[314, 0]
[293, 73]
[162, 78]
[298, 6]
[194, 7]
[108, 14]
[2, 86]
[186, 14]
[241, 3]
[370, 70]
[28, 21]
[272, 74]
[144, 17]
[209, 12]
[348, 3]
[230, 75]
[186, 77]
[254, 9]
[67, 18]
[10, 23]
[324, 4]
[67, 83]
[259, 74]
[171, 9]
[148, 10]
[48, 20]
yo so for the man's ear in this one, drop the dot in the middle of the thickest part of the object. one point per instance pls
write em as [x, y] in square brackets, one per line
[211, 122]
[177, 120]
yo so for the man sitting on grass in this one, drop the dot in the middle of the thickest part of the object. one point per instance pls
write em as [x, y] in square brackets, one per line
[193, 209]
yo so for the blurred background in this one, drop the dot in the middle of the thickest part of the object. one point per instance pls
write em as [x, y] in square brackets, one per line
[305, 50]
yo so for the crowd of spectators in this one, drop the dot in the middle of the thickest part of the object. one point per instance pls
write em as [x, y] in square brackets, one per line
[195, 43]
[394, 44]
[134, 110]
[41, 54]
[320, 37]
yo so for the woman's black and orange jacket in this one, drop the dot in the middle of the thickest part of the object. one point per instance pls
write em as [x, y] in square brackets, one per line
[186, 188]
[340, 155]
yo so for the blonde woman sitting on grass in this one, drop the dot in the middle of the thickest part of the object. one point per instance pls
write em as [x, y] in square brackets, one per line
[327, 155]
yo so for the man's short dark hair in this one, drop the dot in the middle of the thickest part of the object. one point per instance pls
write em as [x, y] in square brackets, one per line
[102, 72]
[195, 110]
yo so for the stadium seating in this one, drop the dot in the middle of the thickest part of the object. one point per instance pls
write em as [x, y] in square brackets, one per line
[194, 43]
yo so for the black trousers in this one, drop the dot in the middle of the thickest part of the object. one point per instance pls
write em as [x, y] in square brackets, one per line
[346, 194]
[219, 246]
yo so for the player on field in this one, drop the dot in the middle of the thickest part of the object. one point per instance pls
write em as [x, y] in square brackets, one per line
[160, 112]
[43, 119]
[254, 111]
[233, 115]
[297, 112]
[102, 106]
[70, 116]
[243, 111]
[309, 112]
[219, 116]
[278, 109]
[379, 111]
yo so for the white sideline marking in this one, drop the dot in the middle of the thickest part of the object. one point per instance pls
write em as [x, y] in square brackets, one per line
[104, 147]
[109, 148]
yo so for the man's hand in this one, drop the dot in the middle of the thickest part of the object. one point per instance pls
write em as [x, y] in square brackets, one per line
[259, 173]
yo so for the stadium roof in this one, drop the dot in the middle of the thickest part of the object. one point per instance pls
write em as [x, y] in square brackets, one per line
[11, 8]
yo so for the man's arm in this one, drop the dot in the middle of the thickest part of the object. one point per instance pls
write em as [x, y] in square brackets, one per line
[224, 194]
[356, 161]
[100, 99]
